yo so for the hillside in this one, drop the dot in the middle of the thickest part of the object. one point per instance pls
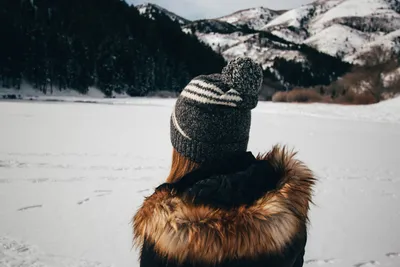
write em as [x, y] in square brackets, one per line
[274, 53]
[340, 28]
[149, 10]
[253, 18]
[286, 63]
[333, 32]
[343, 29]
[107, 44]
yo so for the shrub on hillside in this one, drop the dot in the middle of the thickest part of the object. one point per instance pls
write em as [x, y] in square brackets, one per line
[279, 97]
[351, 98]
[372, 76]
[303, 96]
[313, 96]
[298, 96]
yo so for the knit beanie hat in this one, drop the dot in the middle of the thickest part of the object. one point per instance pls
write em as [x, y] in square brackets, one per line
[211, 118]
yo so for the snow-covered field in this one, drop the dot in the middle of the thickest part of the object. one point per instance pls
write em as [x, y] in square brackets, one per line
[72, 175]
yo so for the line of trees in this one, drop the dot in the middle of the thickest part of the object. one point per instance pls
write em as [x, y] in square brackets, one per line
[59, 44]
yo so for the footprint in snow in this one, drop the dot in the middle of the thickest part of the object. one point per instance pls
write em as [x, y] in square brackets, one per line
[393, 254]
[102, 195]
[388, 194]
[144, 190]
[102, 191]
[83, 201]
[39, 180]
[367, 264]
[321, 262]
[99, 193]
[30, 207]
[385, 179]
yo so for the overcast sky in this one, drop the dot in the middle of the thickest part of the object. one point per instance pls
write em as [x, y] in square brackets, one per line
[198, 9]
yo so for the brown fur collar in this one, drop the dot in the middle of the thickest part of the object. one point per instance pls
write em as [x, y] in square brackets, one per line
[183, 232]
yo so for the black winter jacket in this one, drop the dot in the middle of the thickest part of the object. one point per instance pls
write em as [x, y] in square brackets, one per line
[241, 211]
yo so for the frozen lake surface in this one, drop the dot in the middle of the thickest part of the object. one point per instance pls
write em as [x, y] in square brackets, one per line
[73, 174]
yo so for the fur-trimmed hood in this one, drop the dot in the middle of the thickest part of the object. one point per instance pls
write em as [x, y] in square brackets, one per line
[184, 229]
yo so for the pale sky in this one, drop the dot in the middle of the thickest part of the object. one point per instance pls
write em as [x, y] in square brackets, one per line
[199, 9]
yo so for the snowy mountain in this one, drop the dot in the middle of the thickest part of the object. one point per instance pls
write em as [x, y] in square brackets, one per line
[253, 18]
[210, 26]
[237, 34]
[340, 28]
[388, 41]
[148, 9]
[304, 36]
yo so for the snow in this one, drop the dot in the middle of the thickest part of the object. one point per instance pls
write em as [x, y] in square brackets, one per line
[72, 175]
[389, 41]
[325, 21]
[264, 55]
[354, 8]
[338, 39]
[16, 253]
[289, 35]
[148, 8]
[27, 91]
[389, 77]
[142, 9]
[255, 18]
[384, 112]
[240, 49]
[290, 18]
[220, 41]
[236, 44]
[390, 36]
[325, 5]
[288, 55]
[343, 28]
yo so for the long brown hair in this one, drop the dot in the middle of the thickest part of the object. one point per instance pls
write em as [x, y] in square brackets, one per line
[180, 167]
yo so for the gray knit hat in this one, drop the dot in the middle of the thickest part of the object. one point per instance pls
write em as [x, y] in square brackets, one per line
[212, 116]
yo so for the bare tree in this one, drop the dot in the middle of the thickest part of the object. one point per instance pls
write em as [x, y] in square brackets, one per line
[377, 56]
[393, 84]
[377, 64]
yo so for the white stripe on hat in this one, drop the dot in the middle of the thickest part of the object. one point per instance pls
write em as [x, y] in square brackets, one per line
[176, 124]
[233, 91]
[232, 95]
[232, 98]
[206, 100]
[208, 86]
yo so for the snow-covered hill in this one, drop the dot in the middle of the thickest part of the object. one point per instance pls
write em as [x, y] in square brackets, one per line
[388, 41]
[210, 26]
[338, 40]
[149, 9]
[254, 18]
[343, 29]
[339, 27]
